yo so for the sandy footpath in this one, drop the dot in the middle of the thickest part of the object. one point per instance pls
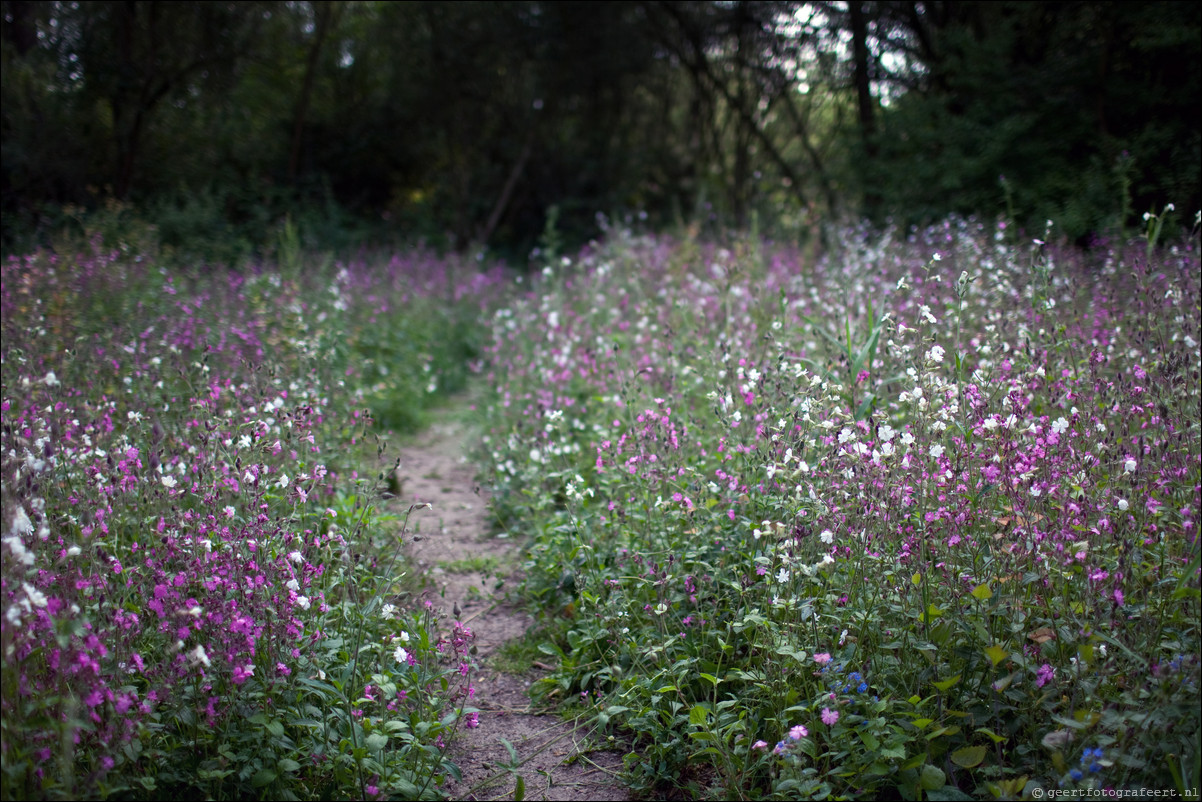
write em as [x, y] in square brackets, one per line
[558, 759]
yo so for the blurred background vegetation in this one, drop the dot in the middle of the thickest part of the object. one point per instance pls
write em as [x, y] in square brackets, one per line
[205, 127]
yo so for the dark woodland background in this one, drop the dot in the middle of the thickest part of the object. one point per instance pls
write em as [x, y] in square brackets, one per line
[501, 126]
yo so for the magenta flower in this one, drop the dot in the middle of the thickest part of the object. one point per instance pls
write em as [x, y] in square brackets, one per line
[829, 717]
[1044, 675]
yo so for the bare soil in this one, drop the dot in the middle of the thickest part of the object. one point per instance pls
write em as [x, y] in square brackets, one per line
[467, 573]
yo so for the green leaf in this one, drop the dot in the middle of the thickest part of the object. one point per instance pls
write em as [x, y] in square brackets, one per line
[982, 592]
[377, 741]
[996, 654]
[932, 777]
[947, 684]
[287, 764]
[263, 777]
[519, 789]
[276, 728]
[969, 757]
[993, 736]
[711, 678]
[698, 715]
[870, 740]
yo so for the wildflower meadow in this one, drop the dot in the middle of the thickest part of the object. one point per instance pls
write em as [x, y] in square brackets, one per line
[202, 583]
[916, 517]
[913, 515]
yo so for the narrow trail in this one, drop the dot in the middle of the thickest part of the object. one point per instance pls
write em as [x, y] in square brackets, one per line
[556, 759]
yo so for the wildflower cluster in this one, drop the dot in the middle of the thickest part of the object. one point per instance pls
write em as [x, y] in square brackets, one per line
[189, 550]
[977, 474]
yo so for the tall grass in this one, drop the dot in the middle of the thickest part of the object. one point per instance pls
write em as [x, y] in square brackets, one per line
[917, 519]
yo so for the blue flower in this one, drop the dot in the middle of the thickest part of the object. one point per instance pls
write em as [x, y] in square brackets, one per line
[1076, 774]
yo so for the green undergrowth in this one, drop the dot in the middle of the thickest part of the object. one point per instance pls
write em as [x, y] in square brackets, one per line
[918, 520]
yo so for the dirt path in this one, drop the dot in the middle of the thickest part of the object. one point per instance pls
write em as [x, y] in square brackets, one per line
[558, 760]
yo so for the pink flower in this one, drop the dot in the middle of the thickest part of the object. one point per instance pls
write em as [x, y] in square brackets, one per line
[822, 658]
[1044, 675]
[799, 732]
[829, 717]
[760, 745]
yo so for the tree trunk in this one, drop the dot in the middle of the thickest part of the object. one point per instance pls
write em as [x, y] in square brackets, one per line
[864, 102]
[326, 18]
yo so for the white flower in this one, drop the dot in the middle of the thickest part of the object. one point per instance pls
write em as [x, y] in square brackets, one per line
[827, 536]
[782, 576]
[51, 380]
[244, 441]
[1060, 425]
[401, 655]
[36, 597]
[302, 602]
[229, 512]
[21, 523]
[283, 481]
[846, 434]
[293, 585]
[168, 482]
[1122, 504]
[886, 433]
[935, 354]
[296, 557]
[535, 455]
[248, 477]
[1129, 466]
[404, 636]
[907, 439]
[936, 451]
[198, 655]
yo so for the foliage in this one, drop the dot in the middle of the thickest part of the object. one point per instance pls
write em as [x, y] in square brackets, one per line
[1084, 111]
[983, 582]
[201, 594]
[461, 125]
